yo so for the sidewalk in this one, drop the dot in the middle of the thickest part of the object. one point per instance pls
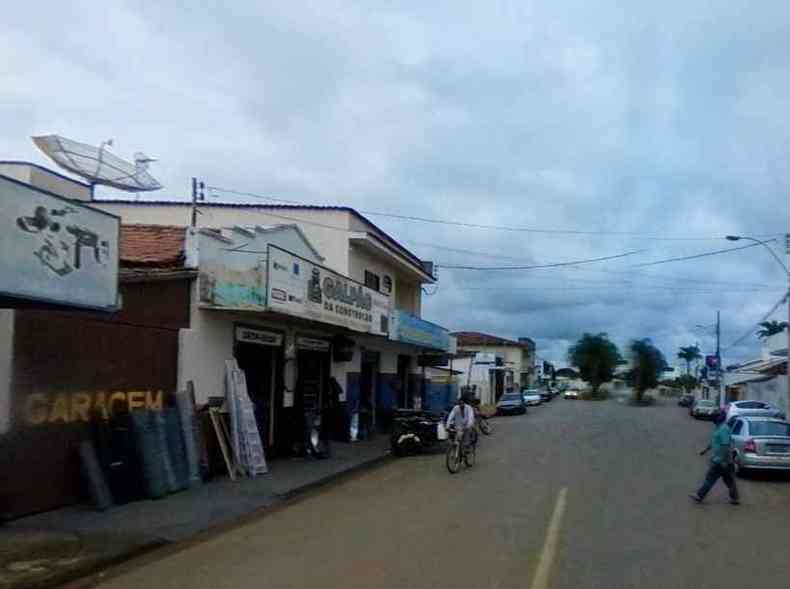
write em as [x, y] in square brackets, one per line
[57, 546]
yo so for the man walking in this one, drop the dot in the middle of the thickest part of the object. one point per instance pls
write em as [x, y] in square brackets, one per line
[720, 461]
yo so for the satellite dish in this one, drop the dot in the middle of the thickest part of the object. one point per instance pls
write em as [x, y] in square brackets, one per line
[97, 165]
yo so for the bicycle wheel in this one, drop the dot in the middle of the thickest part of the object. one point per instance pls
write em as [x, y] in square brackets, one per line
[470, 455]
[485, 426]
[453, 459]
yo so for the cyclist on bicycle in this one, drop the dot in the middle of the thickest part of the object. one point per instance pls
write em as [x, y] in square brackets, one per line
[462, 420]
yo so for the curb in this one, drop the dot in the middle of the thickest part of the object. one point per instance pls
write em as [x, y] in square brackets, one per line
[103, 569]
[332, 478]
[93, 568]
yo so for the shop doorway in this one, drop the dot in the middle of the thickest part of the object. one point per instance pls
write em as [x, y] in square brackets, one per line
[405, 394]
[312, 369]
[260, 355]
[313, 399]
[368, 382]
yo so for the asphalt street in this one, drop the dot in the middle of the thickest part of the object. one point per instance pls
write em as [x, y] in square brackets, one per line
[575, 494]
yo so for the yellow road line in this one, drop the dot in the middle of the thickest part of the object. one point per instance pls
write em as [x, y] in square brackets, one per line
[541, 580]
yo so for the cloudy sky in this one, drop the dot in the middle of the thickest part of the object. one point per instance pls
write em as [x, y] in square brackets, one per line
[620, 127]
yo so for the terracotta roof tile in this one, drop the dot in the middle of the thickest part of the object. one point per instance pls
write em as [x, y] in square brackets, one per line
[158, 246]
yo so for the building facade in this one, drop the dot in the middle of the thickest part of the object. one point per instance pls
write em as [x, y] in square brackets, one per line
[319, 307]
[380, 367]
[763, 378]
[492, 365]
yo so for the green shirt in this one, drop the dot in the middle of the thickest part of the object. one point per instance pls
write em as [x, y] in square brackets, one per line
[721, 445]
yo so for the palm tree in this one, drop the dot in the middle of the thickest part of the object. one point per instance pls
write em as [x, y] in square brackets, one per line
[689, 354]
[769, 328]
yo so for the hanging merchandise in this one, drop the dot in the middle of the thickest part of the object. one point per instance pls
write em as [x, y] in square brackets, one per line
[245, 436]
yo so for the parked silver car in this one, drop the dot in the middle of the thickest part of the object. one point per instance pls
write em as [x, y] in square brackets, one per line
[531, 397]
[760, 442]
[752, 409]
[704, 409]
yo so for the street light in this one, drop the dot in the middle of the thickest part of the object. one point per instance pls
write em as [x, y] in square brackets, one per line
[787, 272]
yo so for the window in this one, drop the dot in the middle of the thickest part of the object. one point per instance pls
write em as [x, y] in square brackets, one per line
[372, 280]
[769, 428]
[387, 284]
[738, 427]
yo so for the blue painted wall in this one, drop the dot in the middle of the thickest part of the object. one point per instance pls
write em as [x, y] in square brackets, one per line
[439, 397]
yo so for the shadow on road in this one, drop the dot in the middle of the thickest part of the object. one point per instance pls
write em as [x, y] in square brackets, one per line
[767, 476]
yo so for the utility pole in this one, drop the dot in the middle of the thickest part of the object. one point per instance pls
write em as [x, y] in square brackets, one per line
[787, 341]
[719, 371]
[197, 195]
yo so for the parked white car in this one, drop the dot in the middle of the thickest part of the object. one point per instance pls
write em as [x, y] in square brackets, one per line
[531, 397]
[752, 409]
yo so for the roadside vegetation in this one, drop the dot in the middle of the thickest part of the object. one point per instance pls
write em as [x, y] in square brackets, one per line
[648, 365]
[596, 359]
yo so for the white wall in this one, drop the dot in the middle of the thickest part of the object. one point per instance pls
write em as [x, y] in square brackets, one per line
[46, 180]
[774, 343]
[480, 377]
[6, 357]
[772, 391]
[511, 355]
[327, 230]
[405, 293]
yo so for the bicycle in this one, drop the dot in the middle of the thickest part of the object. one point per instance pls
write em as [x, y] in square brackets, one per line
[455, 452]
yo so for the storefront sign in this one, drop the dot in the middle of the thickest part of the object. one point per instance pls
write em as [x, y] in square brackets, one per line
[309, 343]
[261, 337]
[409, 329]
[303, 289]
[41, 408]
[56, 250]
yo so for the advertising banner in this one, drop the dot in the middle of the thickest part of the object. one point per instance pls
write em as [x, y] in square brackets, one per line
[409, 329]
[231, 278]
[56, 250]
[300, 288]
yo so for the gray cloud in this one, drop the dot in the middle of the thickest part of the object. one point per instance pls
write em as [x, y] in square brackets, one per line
[663, 119]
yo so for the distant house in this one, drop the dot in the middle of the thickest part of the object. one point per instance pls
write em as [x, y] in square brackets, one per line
[764, 378]
[490, 365]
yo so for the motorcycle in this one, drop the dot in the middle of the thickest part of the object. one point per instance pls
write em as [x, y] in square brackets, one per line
[316, 443]
[414, 431]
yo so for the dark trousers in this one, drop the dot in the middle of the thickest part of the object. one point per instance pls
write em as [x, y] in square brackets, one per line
[714, 472]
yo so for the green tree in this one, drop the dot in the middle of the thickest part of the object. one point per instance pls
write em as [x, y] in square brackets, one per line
[686, 381]
[596, 358]
[648, 363]
[769, 328]
[689, 354]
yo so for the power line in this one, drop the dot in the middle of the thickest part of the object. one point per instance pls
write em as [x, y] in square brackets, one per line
[438, 221]
[538, 266]
[750, 332]
[696, 256]
[625, 287]
[634, 273]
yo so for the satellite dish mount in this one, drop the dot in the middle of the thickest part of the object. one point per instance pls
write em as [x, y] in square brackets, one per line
[98, 165]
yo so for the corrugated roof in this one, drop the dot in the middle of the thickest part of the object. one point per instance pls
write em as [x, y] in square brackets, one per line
[180, 203]
[476, 338]
[153, 246]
